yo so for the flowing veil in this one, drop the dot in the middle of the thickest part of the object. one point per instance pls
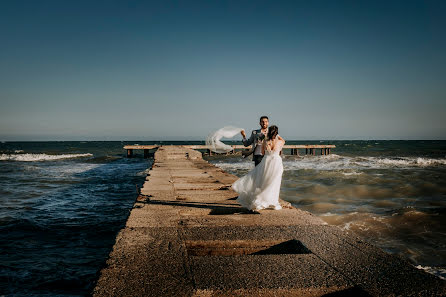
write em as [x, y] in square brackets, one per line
[213, 140]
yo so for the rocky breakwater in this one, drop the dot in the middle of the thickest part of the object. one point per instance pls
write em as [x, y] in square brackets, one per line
[186, 236]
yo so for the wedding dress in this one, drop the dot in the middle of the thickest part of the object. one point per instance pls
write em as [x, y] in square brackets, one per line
[260, 187]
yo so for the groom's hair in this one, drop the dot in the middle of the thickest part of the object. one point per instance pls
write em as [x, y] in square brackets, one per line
[263, 117]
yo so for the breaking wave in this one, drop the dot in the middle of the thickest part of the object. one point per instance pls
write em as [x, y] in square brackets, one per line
[438, 271]
[40, 157]
[336, 162]
[407, 161]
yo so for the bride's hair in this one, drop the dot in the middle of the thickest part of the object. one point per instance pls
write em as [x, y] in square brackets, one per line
[272, 132]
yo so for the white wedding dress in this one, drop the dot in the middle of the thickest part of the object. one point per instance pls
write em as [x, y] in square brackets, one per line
[260, 187]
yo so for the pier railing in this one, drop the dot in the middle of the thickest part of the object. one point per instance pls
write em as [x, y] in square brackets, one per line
[325, 149]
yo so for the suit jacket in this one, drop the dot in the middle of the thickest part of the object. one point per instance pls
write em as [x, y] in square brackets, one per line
[255, 139]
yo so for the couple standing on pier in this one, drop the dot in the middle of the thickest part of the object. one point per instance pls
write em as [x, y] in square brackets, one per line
[260, 187]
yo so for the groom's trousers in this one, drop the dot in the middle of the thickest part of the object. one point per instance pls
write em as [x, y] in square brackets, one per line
[257, 159]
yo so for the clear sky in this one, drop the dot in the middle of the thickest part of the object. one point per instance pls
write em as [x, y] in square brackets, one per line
[140, 70]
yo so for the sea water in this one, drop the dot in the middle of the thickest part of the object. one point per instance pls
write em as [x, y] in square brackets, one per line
[62, 203]
[61, 206]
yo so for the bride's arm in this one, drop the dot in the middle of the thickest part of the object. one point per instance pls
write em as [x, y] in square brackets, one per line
[282, 144]
[263, 146]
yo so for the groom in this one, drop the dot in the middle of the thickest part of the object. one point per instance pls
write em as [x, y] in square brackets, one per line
[256, 139]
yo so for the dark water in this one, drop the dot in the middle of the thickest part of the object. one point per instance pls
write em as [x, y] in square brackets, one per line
[62, 204]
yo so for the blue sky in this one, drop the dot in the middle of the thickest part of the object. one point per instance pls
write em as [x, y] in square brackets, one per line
[127, 70]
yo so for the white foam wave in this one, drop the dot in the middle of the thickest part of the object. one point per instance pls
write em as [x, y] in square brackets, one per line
[347, 226]
[438, 271]
[144, 172]
[401, 162]
[349, 165]
[70, 169]
[39, 157]
[243, 165]
[427, 162]
[330, 162]
[351, 173]
[327, 214]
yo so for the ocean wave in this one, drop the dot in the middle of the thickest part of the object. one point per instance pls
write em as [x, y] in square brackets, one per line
[341, 163]
[70, 169]
[400, 162]
[235, 166]
[351, 173]
[40, 157]
[143, 173]
[438, 271]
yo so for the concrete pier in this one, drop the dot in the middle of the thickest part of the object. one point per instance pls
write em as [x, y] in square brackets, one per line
[186, 236]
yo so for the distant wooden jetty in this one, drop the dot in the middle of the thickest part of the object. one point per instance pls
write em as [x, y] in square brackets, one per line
[325, 149]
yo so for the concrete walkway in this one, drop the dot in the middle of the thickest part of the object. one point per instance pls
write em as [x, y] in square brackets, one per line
[186, 236]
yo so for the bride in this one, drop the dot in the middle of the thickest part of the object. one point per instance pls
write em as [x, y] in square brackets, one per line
[260, 187]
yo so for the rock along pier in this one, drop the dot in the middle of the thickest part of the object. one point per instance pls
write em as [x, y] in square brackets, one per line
[186, 236]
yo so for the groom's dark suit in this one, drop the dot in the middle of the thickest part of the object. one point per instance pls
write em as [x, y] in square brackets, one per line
[255, 139]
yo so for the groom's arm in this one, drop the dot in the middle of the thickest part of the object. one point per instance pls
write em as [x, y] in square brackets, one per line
[247, 142]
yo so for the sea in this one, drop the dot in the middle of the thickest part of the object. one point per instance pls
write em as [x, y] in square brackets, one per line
[62, 203]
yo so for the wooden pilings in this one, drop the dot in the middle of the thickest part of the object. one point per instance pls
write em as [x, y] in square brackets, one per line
[312, 151]
[325, 151]
[295, 151]
[147, 153]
